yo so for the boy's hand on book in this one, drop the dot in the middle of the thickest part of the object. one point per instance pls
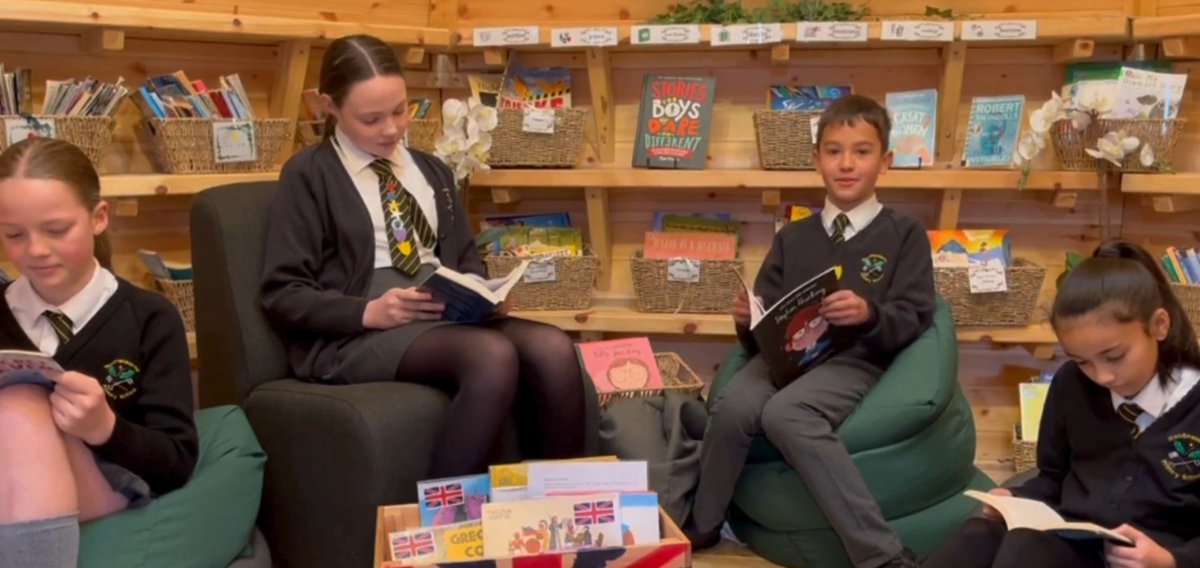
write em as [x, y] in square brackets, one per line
[990, 512]
[80, 409]
[503, 308]
[845, 308]
[741, 308]
[1145, 553]
[399, 306]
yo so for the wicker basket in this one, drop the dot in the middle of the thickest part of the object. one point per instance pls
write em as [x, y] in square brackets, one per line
[713, 294]
[1024, 453]
[423, 134]
[1069, 144]
[513, 147]
[785, 139]
[1189, 298]
[677, 377]
[185, 145]
[1014, 307]
[310, 131]
[91, 134]
[575, 280]
[179, 293]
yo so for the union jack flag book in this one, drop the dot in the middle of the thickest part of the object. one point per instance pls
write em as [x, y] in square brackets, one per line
[557, 524]
[452, 500]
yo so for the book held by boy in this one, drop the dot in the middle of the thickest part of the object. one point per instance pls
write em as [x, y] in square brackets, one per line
[791, 334]
[468, 297]
[1021, 513]
[28, 367]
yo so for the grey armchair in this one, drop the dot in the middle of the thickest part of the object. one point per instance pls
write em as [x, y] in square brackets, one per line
[334, 453]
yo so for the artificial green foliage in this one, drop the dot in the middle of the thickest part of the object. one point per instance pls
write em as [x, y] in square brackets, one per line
[933, 12]
[733, 12]
[1073, 260]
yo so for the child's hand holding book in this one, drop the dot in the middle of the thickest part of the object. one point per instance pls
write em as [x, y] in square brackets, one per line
[399, 306]
[990, 512]
[1143, 553]
[741, 308]
[845, 308]
[79, 408]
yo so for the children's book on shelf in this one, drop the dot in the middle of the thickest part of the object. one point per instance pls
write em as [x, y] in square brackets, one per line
[791, 334]
[672, 223]
[674, 122]
[510, 482]
[914, 127]
[1145, 94]
[536, 88]
[992, 130]
[795, 213]
[808, 97]
[555, 524]
[468, 298]
[961, 248]
[1021, 513]
[639, 518]
[527, 240]
[486, 88]
[176, 96]
[1181, 265]
[698, 246]
[162, 268]
[660, 218]
[562, 220]
[445, 543]
[1033, 401]
[28, 367]
[452, 500]
[1090, 82]
[559, 478]
[16, 90]
[620, 366]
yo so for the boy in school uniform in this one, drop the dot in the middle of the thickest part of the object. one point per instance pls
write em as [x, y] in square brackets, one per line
[884, 302]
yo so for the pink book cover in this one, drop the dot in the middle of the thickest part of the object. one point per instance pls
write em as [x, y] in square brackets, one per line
[699, 246]
[620, 365]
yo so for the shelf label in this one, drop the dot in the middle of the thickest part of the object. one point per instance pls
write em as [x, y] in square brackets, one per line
[540, 270]
[999, 30]
[590, 37]
[832, 31]
[234, 142]
[18, 129]
[683, 270]
[745, 34]
[987, 278]
[538, 121]
[917, 30]
[513, 35]
[664, 35]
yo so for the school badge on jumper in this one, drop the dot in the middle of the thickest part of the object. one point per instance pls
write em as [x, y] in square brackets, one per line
[1183, 461]
[119, 382]
[872, 268]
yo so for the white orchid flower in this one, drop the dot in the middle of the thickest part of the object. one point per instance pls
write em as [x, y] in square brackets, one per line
[1130, 143]
[1041, 120]
[453, 113]
[1028, 147]
[1146, 156]
[1108, 149]
[1081, 120]
[484, 116]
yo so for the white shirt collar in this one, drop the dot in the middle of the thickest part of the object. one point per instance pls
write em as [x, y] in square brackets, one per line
[860, 216]
[356, 160]
[27, 305]
[1155, 398]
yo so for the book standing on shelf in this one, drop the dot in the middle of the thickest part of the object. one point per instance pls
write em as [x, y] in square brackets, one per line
[992, 130]
[674, 122]
[913, 137]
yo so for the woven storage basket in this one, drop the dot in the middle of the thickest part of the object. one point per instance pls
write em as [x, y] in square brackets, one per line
[1069, 144]
[785, 139]
[91, 134]
[179, 293]
[423, 133]
[185, 145]
[1014, 307]
[1024, 453]
[575, 280]
[713, 294]
[310, 131]
[1189, 297]
[513, 147]
[677, 377]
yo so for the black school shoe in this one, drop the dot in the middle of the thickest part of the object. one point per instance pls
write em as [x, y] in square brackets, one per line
[701, 540]
[907, 559]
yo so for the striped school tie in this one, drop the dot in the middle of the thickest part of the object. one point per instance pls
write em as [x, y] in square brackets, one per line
[62, 325]
[402, 218]
[839, 228]
[1130, 412]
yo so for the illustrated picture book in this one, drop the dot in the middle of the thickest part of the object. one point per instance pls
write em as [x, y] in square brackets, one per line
[28, 367]
[992, 130]
[791, 334]
[557, 524]
[674, 121]
[536, 88]
[960, 248]
[468, 297]
[699, 246]
[808, 97]
[447, 543]
[559, 478]
[1021, 513]
[914, 127]
[453, 500]
[620, 366]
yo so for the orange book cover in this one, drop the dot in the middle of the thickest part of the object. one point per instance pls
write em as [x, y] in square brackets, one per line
[699, 246]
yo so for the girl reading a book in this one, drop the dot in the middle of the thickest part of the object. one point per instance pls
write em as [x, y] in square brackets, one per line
[115, 430]
[357, 219]
[1118, 441]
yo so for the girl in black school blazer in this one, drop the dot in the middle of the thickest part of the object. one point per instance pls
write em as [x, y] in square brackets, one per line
[1119, 433]
[349, 315]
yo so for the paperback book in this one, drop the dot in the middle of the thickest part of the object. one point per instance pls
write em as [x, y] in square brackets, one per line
[791, 334]
[992, 130]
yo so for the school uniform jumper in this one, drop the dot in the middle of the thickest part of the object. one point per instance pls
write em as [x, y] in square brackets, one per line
[885, 259]
[326, 257]
[134, 344]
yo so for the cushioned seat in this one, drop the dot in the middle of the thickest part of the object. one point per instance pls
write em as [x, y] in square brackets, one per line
[207, 523]
[913, 439]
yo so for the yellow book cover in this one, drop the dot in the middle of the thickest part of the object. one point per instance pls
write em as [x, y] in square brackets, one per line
[447, 543]
[1033, 400]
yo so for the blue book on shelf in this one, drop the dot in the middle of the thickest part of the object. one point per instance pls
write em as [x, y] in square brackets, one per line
[914, 127]
[992, 130]
[1191, 262]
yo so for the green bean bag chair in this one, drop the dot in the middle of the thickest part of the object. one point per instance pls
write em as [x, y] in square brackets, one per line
[207, 523]
[913, 439]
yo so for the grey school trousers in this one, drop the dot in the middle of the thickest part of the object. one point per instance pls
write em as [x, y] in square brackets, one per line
[800, 421]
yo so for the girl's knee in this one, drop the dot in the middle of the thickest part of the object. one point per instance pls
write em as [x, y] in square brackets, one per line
[23, 407]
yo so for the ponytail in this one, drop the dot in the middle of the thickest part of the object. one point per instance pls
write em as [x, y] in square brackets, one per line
[349, 60]
[1127, 281]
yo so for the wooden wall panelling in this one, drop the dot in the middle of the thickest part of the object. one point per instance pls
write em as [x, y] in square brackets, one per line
[286, 94]
[396, 12]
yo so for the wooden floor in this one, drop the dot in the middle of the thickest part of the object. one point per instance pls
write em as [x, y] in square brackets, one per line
[729, 555]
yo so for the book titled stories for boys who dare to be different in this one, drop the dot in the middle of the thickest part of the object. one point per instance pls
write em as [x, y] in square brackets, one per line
[674, 121]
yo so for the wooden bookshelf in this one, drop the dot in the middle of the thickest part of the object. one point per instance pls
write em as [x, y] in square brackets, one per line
[1167, 193]
[145, 185]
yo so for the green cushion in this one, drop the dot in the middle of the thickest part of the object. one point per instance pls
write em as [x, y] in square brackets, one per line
[923, 531]
[205, 524]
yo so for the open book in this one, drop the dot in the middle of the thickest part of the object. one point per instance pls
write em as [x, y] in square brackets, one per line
[791, 334]
[1021, 513]
[28, 367]
[468, 297]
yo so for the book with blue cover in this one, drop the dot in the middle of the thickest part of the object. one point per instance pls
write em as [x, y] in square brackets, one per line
[914, 127]
[468, 298]
[992, 130]
[807, 97]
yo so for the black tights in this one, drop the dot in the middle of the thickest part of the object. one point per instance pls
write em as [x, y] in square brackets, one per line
[486, 367]
[987, 543]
